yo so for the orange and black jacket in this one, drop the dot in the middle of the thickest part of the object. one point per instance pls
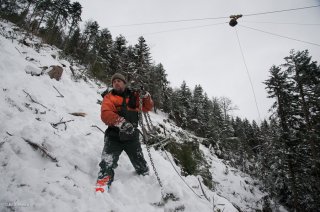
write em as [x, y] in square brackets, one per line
[116, 106]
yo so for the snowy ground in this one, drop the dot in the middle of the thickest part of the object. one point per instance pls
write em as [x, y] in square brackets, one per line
[64, 181]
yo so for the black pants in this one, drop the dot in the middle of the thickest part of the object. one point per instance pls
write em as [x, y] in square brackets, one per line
[113, 147]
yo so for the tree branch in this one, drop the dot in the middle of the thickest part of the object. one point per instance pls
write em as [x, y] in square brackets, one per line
[58, 92]
[34, 101]
[9, 133]
[42, 149]
[98, 128]
[78, 114]
[54, 125]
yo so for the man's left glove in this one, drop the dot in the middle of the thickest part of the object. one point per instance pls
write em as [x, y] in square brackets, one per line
[145, 94]
[126, 131]
[126, 128]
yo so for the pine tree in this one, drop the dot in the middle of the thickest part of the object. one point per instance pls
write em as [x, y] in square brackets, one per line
[72, 46]
[279, 87]
[142, 63]
[58, 19]
[197, 114]
[218, 131]
[184, 109]
[305, 75]
[42, 9]
[88, 39]
[9, 9]
[159, 85]
[119, 59]
[75, 12]
[101, 54]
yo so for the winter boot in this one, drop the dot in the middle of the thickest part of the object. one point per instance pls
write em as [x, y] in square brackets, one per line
[103, 184]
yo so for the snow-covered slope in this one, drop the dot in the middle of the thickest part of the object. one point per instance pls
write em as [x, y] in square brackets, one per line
[49, 158]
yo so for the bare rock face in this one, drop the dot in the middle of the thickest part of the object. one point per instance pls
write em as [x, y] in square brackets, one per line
[56, 72]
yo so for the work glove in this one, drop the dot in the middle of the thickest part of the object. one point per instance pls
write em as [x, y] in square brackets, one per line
[126, 131]
[145, 94]
[127, 128]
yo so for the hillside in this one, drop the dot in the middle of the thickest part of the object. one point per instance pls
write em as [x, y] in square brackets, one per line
[49, 158]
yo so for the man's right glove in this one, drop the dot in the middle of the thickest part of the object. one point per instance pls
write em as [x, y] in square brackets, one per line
[126, 131]
[127, 128]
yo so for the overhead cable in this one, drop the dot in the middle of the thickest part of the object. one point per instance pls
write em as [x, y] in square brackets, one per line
[290, 38]
[165, 22]
[211, 18]
[183, 28]
[269, 22]
[279, 11]
[249, 77]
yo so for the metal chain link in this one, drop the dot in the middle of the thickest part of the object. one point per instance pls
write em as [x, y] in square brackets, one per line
[149, 118]
[145, 138]
[147, 122]
[154, 168]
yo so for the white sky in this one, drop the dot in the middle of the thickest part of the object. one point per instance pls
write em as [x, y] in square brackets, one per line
[210, 56]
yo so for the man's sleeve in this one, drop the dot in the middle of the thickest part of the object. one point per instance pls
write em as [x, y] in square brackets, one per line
[147, 104]
[109, 113]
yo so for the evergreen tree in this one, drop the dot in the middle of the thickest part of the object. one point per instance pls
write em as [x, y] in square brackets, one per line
[100, 54]
[72, 46]
[218, 132]
[184, 97]
[168, 100]
[279, 87]
[158, 86]
[305, 75]
[142, 63]
[58, 19]
[9, 9]
[88, 39]
[197, 114]
[119, 60]
[75, 12]
[42, 9]
[208, 116]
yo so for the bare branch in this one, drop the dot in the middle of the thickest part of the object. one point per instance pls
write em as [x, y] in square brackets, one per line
[9, 133]
[78, 114]
[58, 92]
[55, 125]
[34, 101]
[42, 149]
[18, 50]
[97, 127]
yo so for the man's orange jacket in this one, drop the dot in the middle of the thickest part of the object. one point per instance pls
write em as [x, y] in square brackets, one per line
[112, 104]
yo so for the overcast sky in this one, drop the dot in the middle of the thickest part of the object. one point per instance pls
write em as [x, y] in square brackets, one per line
[207, 51]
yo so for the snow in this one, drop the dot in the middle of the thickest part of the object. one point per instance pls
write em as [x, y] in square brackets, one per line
[30, 181]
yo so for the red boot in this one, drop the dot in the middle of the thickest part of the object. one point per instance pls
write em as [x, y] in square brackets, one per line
[103, 184]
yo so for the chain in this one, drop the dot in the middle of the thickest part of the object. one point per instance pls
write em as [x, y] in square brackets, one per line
[145, 138]
[147, 121]
[155, 170]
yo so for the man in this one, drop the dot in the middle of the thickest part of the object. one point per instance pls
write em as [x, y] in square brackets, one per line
[119, 110]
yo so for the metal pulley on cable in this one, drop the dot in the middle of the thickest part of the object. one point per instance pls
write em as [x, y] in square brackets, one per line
[233, 20]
